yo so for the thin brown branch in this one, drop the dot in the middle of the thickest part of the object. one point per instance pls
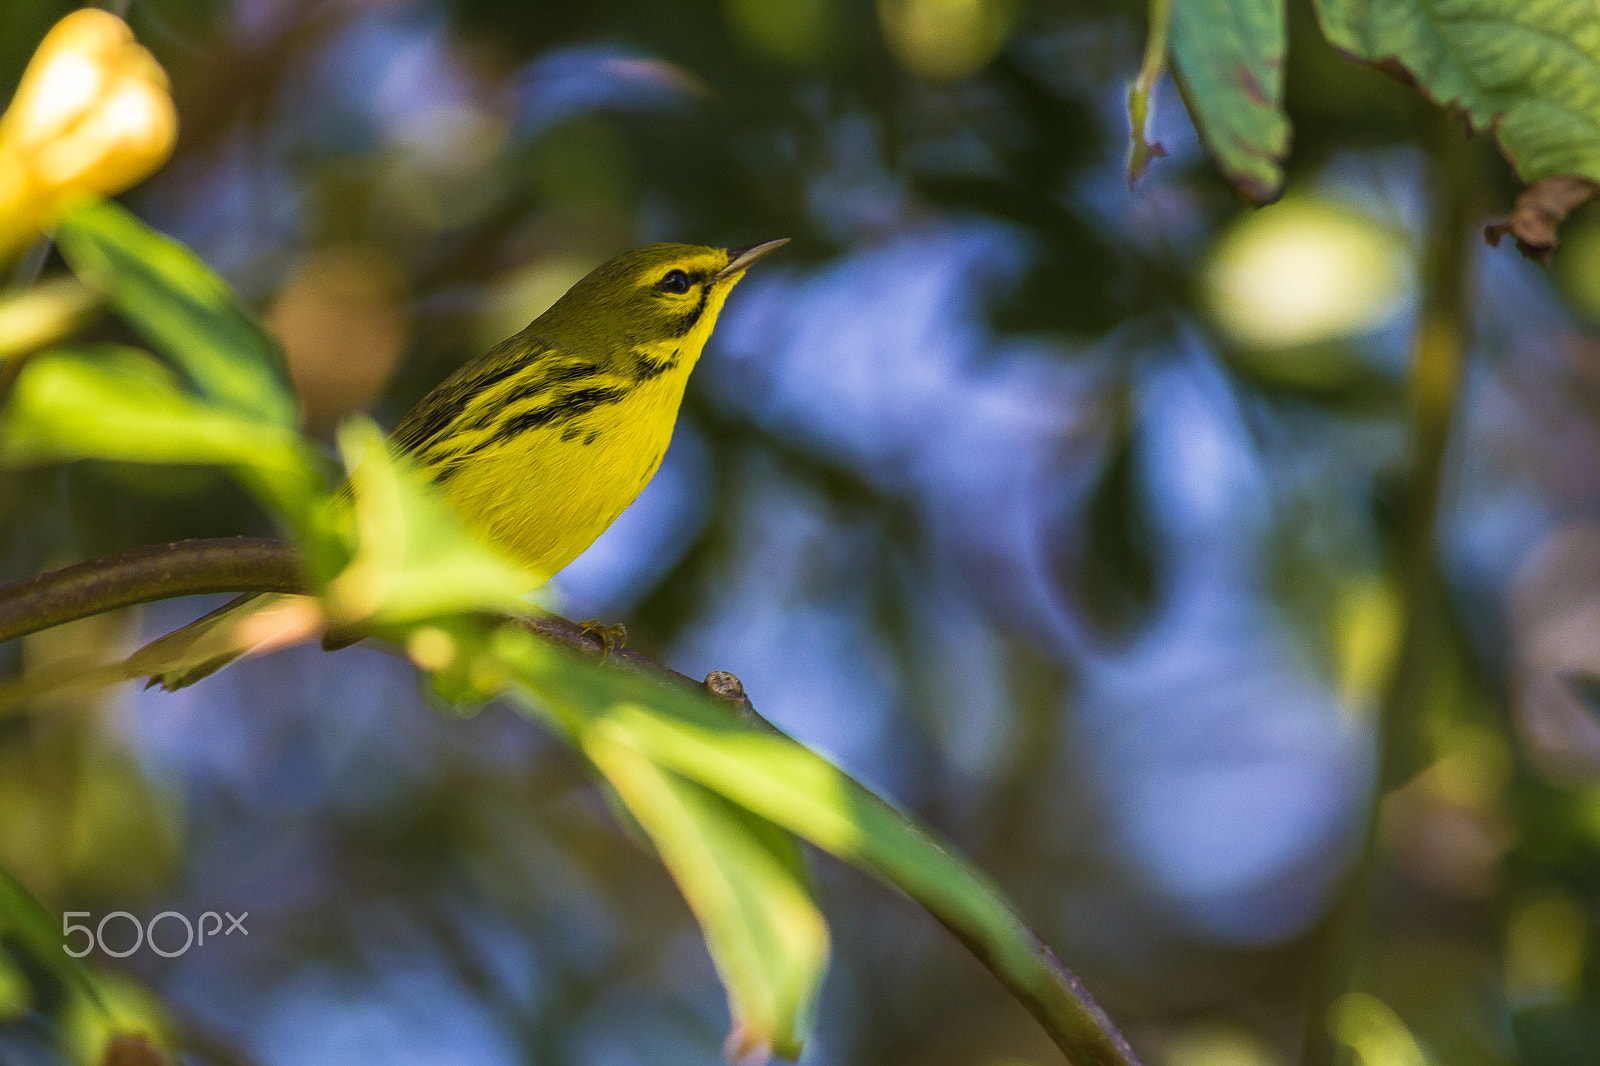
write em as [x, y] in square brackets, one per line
[243, 565]
[143, 575]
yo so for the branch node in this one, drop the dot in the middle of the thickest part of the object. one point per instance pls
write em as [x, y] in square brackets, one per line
[727, 687]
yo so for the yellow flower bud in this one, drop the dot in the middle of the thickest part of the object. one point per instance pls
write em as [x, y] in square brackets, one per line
[91, 117]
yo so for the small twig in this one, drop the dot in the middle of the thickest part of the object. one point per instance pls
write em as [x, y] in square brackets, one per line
[143, 575]
[1142, 93]
[250, 564]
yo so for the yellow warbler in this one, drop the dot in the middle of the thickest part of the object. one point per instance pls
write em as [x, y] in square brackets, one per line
[544, 440]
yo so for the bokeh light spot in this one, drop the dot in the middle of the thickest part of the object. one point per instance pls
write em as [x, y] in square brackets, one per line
[796, 32]
[946, 40]
[1305, 271]
[1545, 942]
[1213, 1044]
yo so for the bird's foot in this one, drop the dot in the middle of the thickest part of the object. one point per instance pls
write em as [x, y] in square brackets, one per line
[612, 637]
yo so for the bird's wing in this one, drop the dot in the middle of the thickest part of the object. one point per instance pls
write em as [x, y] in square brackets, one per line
[434, 413]
[525, 383]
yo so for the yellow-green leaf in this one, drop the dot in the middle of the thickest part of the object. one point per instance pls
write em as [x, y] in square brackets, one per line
[783, 782]
[1527, 69]
[413, 558]
[1228, 57]
[183, 309]
[37, 930]
[106, 402]
[744, 880]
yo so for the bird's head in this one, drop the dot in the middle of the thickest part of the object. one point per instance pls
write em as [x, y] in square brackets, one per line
[655, 305]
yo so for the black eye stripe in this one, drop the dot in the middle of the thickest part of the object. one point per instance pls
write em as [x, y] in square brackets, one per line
[676, 281]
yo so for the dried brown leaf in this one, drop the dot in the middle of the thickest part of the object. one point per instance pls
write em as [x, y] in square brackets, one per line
[1538, 213]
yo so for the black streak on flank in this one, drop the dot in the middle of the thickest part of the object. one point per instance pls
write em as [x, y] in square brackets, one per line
[540, 384]
[561, 375]
[563, 408]
[447, 402]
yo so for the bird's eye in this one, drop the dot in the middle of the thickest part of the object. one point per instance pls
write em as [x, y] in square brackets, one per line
[675, 281]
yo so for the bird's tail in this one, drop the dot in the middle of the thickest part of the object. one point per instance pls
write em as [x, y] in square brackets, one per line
[253, 623]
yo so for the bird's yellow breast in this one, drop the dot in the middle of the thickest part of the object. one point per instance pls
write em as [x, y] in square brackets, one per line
[547, 493]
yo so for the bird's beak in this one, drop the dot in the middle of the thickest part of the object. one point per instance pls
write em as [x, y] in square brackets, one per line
[739, 259]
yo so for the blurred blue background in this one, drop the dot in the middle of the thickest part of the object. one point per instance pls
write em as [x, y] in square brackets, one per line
[1059, 512]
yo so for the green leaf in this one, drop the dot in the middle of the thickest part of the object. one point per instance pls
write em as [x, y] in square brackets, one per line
[745, 881]
[37, 930]
[414, 559]
[107, 402]
[805, 794]
[1228, 57]
[182, 308]
[774, 778]
[44, 314]
[1527, 69]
